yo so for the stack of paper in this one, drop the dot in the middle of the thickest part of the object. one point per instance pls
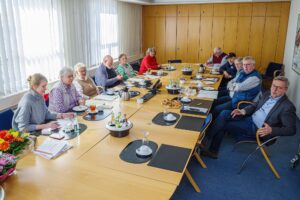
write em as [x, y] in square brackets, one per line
[52, 148]
[106, 97]
[208, 94]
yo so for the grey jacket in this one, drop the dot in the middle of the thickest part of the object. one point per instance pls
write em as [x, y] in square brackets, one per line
[31, 111]
[281, 118]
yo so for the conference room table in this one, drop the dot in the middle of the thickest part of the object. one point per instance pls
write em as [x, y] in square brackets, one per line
[92, 169]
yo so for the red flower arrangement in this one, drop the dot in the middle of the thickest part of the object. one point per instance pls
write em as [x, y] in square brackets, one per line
[13, 142]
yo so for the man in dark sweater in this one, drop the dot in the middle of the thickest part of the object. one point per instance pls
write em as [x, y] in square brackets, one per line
[228, 69]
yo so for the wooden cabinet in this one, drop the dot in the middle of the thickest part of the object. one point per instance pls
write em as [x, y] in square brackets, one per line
[182, 38]
[193, 39]
[190, 32]
[205, 38]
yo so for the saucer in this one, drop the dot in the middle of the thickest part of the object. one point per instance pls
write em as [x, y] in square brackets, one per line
[79, 108]
[170, 119]
[185, 100]
[92, 112]
[143, 151]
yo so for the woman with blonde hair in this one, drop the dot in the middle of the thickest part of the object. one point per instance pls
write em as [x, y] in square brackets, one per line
[32, 113]
[124, 68]
[84, 85]
[149, 61]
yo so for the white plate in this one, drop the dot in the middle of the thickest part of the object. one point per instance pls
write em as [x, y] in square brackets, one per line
[170, 119]
[215, 73]
[208, 88]
[80, 108]
[208, 82]
[185, 100]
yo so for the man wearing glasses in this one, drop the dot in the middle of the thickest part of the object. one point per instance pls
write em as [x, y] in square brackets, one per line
[273, 115]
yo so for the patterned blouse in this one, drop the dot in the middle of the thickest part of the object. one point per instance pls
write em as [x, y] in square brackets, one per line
[63, 98]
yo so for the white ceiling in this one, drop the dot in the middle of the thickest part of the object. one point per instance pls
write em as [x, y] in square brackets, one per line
[153, 2]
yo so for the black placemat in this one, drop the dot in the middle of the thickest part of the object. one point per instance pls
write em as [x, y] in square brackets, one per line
[170, 158]
[159, 119]
[71, 135]
[128, 154]
[97, 117]
[190, 123]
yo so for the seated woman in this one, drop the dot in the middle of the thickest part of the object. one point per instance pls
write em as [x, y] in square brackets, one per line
[85, 86]
[105, 74]
[32, 113]
[149, 61]
[64, 96]
[124, 69]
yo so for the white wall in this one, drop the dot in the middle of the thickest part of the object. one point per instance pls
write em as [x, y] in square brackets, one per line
[294, 89]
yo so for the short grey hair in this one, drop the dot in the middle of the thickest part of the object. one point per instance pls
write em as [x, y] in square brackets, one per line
[78, 66]
[106, 58]
[218, 49]
[66, 71]
[150, 50]
[246, 58]
[282, 78]
[239, 60]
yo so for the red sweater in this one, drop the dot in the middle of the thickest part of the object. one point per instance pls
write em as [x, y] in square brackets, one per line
[217, 60]
[148, 62]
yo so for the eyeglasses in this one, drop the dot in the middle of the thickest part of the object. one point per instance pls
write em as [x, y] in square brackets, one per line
[278, 87]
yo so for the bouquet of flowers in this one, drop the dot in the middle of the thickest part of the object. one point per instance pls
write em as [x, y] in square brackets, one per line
[13, 142]
[7, 165]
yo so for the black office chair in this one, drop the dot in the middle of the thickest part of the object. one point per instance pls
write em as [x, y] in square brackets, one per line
[136, 65]
[174, 61]
[273, 70]
[6, 119]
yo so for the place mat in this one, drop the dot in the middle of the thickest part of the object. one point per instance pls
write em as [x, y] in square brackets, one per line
[190, 123]
[71, 135]
[128, 154]
[170, 158]
[159, 119]
[97, 117]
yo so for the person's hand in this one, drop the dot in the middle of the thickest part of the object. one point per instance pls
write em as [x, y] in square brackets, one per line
[237, 112]
[52, 125]
[226, 75]
[158, 66]
[119, 77]
[265, 130]
[81, 101]
[67, 115]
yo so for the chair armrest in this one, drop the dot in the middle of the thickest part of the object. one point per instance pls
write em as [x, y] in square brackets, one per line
[244, 102]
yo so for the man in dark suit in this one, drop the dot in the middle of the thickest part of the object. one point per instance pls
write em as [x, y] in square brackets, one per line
[273, 115]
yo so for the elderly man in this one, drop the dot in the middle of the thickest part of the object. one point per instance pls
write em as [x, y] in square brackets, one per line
[246, 87]
[105, 74]
[218, 57]
[273, 115]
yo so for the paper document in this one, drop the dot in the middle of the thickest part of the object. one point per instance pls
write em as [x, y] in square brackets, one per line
[208, 94]
[52, 148]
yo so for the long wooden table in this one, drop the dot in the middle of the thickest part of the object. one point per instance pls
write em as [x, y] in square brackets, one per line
[93, 169]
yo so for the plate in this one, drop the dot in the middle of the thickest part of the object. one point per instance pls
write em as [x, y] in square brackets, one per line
[186, 100]
[92, 112]
[172, 88]
[208, 82]
[170, 119]
[208, 88]
[80, 108]
[215, 73]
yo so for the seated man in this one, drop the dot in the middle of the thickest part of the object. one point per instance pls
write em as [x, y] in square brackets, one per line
[228, 69]
[246, 88]
[218, 57]
[273, 115]
[105, 74]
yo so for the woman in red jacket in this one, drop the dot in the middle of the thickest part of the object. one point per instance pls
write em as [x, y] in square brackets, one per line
[149, 61]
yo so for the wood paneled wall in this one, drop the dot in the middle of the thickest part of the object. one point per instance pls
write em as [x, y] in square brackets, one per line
[190, 32]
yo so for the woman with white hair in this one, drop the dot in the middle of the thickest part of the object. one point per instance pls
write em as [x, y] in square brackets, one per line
[149, 61]
[84, 85]
[32, 113]
[64, 96]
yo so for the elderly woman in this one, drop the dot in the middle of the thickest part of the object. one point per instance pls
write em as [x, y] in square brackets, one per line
[218, 57]
[124, 69]
[32, 113]
[85, 86]
[105, 74]
[64, 96]
[149, 61]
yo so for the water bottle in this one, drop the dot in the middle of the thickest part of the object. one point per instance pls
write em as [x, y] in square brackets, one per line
[76, 125]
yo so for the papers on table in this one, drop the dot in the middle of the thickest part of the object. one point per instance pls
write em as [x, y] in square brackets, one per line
[106, 97]
[52, 148]
[208, 94]
[196, 109]
[152, 76]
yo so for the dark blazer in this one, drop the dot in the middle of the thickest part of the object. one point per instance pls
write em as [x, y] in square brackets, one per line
[282, 117]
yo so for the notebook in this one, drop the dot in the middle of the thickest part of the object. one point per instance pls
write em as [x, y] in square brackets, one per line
[52, 148]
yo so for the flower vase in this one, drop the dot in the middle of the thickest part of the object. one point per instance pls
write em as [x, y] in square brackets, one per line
[9, 172]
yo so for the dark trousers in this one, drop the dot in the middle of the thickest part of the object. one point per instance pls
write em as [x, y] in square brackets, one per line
[220, 104]
[242, 128]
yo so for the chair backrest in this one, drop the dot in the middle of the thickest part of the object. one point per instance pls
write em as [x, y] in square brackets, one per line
[271, 68]
[207, 122]
[6, 119]
[174, 61]
[136, 65]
